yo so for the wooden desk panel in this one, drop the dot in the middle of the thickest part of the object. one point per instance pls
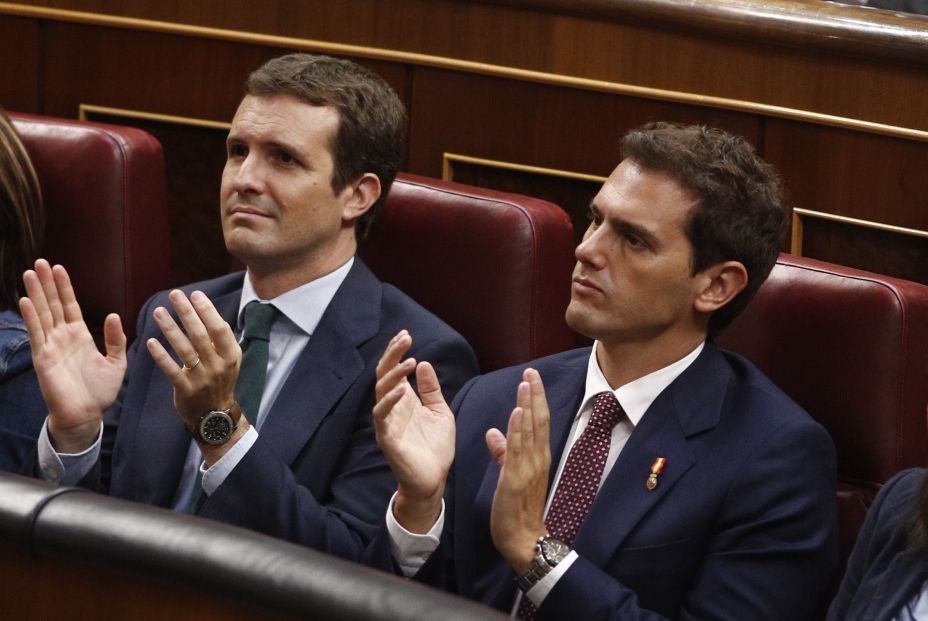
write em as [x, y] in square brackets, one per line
[19, 71]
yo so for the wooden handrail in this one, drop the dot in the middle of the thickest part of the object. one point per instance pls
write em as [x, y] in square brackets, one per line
[807, 24]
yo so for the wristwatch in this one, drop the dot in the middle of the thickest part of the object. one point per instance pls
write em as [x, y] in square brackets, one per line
[215, 427]
[549, 551]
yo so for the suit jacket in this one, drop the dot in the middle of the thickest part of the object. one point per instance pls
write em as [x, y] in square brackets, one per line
[883, 573]
[315, 475]
[742, 523]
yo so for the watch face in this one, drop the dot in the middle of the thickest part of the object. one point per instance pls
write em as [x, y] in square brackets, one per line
[216, 428]
[554, 550]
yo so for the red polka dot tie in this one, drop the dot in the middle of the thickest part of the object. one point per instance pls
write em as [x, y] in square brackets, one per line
[580, 478]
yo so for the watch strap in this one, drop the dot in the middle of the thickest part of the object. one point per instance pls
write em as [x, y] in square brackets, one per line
[538, 569]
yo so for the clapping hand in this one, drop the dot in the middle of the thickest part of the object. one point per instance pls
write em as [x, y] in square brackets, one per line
[416, 434]
[77, 381]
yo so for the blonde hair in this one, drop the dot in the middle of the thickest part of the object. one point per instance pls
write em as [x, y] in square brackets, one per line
[22, 217]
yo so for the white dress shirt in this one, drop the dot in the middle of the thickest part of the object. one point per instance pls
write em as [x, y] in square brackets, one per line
[412, 550]
[301, 310]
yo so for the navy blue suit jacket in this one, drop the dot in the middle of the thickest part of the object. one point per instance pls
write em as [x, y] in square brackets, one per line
[742, 523]
[883, 573]
[315, 475]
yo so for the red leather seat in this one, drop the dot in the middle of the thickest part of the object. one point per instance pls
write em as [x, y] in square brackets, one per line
[495, 266]
[851, 347]
[107, 214]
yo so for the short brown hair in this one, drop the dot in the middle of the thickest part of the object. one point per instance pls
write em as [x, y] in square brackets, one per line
[372, 120]
[22, 219]
[739, 215]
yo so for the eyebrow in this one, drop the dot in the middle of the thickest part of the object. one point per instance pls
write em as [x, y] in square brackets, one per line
[273, 144]
[626, 227]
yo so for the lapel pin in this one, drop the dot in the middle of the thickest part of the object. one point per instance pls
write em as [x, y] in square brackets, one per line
[656, 468]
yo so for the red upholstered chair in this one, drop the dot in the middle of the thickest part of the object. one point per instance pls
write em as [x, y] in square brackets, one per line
[106, 211]
[495, 266]
[851, 347]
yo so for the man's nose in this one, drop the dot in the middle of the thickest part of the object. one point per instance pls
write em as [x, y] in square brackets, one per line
[588, 250]
[248, 176]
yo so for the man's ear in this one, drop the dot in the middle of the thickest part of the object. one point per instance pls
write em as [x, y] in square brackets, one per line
[360, 195]
[720, 283]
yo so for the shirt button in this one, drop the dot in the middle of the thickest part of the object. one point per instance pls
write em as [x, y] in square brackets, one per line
[425, 556]
[51, 475]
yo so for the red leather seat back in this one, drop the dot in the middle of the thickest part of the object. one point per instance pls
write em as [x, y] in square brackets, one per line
[851, 347]
[495, 266]
[106, 211]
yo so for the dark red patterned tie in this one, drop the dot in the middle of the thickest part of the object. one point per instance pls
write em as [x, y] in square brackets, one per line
[580, 478]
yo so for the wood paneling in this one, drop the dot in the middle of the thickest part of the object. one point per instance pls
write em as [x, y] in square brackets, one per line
[537, 124]
[145, 72]
[168, 74]
[831, 59]
[784, 53]
[20, 71]
[43, 588]
[866, 249]
[852, 174]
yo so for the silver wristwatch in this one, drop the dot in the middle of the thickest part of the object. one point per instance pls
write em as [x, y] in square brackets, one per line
[215, 427]
[548, 553]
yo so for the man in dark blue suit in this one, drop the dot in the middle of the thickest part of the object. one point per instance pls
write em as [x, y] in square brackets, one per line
[653, 475]
[312, 151]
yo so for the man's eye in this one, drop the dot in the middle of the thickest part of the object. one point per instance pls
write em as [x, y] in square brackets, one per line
[634, 242]
[237, 150]
[286, 158]
[594, 217]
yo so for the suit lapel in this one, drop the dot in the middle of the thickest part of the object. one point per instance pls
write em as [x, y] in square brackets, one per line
[569, 387]
[689, 405]
[328, 366]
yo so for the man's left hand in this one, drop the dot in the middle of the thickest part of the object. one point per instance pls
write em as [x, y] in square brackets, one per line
[210, 356]
[524, 456]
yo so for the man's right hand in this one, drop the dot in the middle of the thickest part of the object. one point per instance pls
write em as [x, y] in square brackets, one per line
[416, 436]
[77, 381]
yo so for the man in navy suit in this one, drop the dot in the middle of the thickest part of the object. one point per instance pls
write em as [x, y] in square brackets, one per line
[311, 154]
[653, 475]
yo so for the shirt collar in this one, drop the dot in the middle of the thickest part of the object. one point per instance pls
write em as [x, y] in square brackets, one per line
[303, 306]
[636, 396]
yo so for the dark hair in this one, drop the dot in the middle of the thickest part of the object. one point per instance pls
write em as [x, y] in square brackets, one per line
[22, 219]
[372, 120]
[739, 216]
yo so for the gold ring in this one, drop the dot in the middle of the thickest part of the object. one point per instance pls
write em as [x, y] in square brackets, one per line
[192, 366]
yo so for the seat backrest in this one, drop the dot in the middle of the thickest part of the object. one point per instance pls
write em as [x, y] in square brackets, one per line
[495, 266]
[851, 347]
[106, 211]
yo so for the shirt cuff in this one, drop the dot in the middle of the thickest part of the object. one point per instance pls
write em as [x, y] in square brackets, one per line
[539, 592]
[412, 550]
[65, 468]
[214, 476]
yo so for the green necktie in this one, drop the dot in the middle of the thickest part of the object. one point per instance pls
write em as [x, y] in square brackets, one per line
[258, 321]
